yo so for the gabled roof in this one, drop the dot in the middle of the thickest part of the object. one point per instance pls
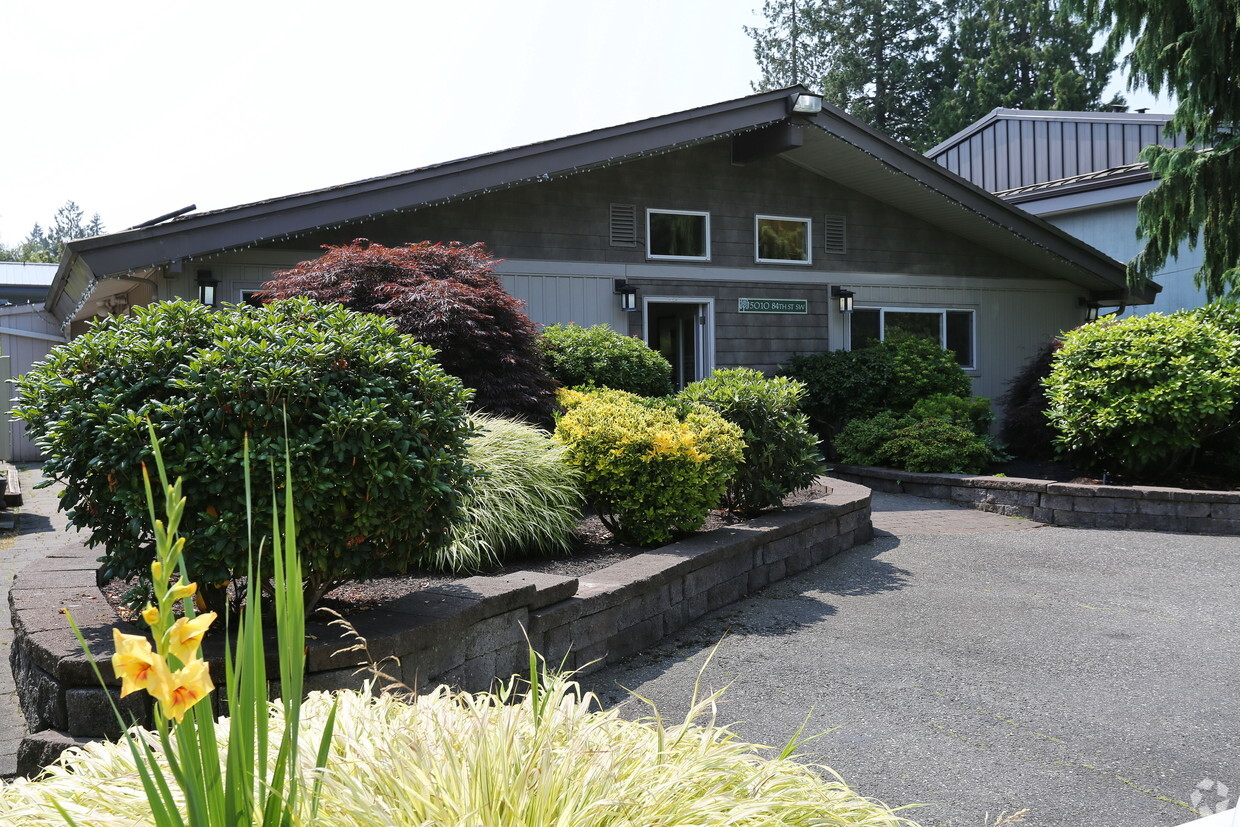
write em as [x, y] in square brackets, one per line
[836, 146]
[1047, 115]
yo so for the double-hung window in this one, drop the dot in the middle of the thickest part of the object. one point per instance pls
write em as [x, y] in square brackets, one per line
[952, 329]
[678, 235]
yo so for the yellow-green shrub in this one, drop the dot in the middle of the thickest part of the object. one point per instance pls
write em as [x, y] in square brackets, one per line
[651, 468]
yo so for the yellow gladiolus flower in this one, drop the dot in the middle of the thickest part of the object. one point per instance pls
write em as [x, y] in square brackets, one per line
[135, 663]
[180, 690]
[157, 570]
[186, 635]
[182, 590]
[150, 614]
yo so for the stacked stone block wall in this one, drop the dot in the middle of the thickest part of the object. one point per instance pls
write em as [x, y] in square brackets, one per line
[467, 633]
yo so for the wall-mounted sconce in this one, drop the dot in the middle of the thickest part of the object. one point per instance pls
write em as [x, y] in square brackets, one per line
[845, 296]
[1091, 310]
[207, 288]
[627, 293]
[805, 104]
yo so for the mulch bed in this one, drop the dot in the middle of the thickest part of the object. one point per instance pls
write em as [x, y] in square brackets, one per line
[596, 549]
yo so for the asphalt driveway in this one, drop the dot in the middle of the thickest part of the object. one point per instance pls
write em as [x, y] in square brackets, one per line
[975, 663]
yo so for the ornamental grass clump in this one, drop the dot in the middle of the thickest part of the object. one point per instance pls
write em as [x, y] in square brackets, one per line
[651, 468]
[518, 757]
[781, 455]
[525, 500]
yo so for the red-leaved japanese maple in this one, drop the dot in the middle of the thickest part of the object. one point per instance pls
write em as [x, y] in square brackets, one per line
[447, 296]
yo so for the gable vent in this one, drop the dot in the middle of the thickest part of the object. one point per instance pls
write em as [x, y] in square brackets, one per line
[623, 225]
[835, 241]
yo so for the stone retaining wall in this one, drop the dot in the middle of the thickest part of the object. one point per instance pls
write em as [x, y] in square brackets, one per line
[467, 633]
[1066, 504]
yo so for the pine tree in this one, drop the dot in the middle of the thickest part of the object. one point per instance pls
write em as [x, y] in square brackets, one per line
[1190, 49]
[871, 58]
[1031, 55]
[46, 245]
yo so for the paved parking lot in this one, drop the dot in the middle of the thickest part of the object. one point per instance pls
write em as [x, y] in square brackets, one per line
[977, 663]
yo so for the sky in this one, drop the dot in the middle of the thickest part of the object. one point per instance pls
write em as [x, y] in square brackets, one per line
[134, 108]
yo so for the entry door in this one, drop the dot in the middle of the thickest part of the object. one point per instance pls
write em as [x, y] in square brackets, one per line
[679, 331]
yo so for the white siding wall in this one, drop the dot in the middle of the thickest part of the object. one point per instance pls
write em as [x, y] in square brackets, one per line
[1112, 229]
[585, 300]
[19, 353]
[1012, 318]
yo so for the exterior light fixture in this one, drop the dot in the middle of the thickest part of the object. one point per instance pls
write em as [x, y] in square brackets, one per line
[845, 296]
[1091, 310]
[628, 295]
[805, 104]
[207, 288]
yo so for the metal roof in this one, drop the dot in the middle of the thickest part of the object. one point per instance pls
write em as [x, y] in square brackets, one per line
[839, 147]
[26, 272]
[1103, 179]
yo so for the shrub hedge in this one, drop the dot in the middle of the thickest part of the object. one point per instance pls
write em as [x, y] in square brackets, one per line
[600, 357]
[651, 468]
[1145, 394]
[376, 432]
[781, 455]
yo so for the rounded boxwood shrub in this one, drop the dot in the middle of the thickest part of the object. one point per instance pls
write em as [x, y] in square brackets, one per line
[1143, 394]
[600, 357]
[971, 412]
[781, 455]
[921, 368]
[841, 384]
[929, 445]
[651, 468]
[525, 500]
[375, 429]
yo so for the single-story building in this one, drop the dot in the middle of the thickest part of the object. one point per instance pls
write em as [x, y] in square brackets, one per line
[1081, 171]
[727, 235]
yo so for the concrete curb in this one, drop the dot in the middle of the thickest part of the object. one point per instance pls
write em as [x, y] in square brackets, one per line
[1139, 507]
[468, 633]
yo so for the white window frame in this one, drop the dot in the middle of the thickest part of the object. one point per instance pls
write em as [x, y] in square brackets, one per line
[809, 240]
[942, 313]
[706, 235]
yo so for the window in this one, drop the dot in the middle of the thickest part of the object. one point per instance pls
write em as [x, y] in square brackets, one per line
[781, 240]
[952, 329]
[250, 297]
[678, 234]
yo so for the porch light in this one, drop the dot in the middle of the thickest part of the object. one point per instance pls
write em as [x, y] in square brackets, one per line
[1091, 310]
[206, 288]
[806, 104]
[845, 296]
[627, 293]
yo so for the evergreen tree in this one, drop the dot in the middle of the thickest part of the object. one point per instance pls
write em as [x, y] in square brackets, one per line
[45, 246]
[871, 58]
[1190, 49]
[1032, 55]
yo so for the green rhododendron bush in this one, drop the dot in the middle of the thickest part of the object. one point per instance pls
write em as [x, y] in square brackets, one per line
[1149, 395]
[508, 759]
[781, 455]
[600, 357]
[650, 468]
[376, 431]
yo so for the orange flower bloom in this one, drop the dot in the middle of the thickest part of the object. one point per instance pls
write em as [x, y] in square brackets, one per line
[179, 691]
[135, 663]
[186, 635]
